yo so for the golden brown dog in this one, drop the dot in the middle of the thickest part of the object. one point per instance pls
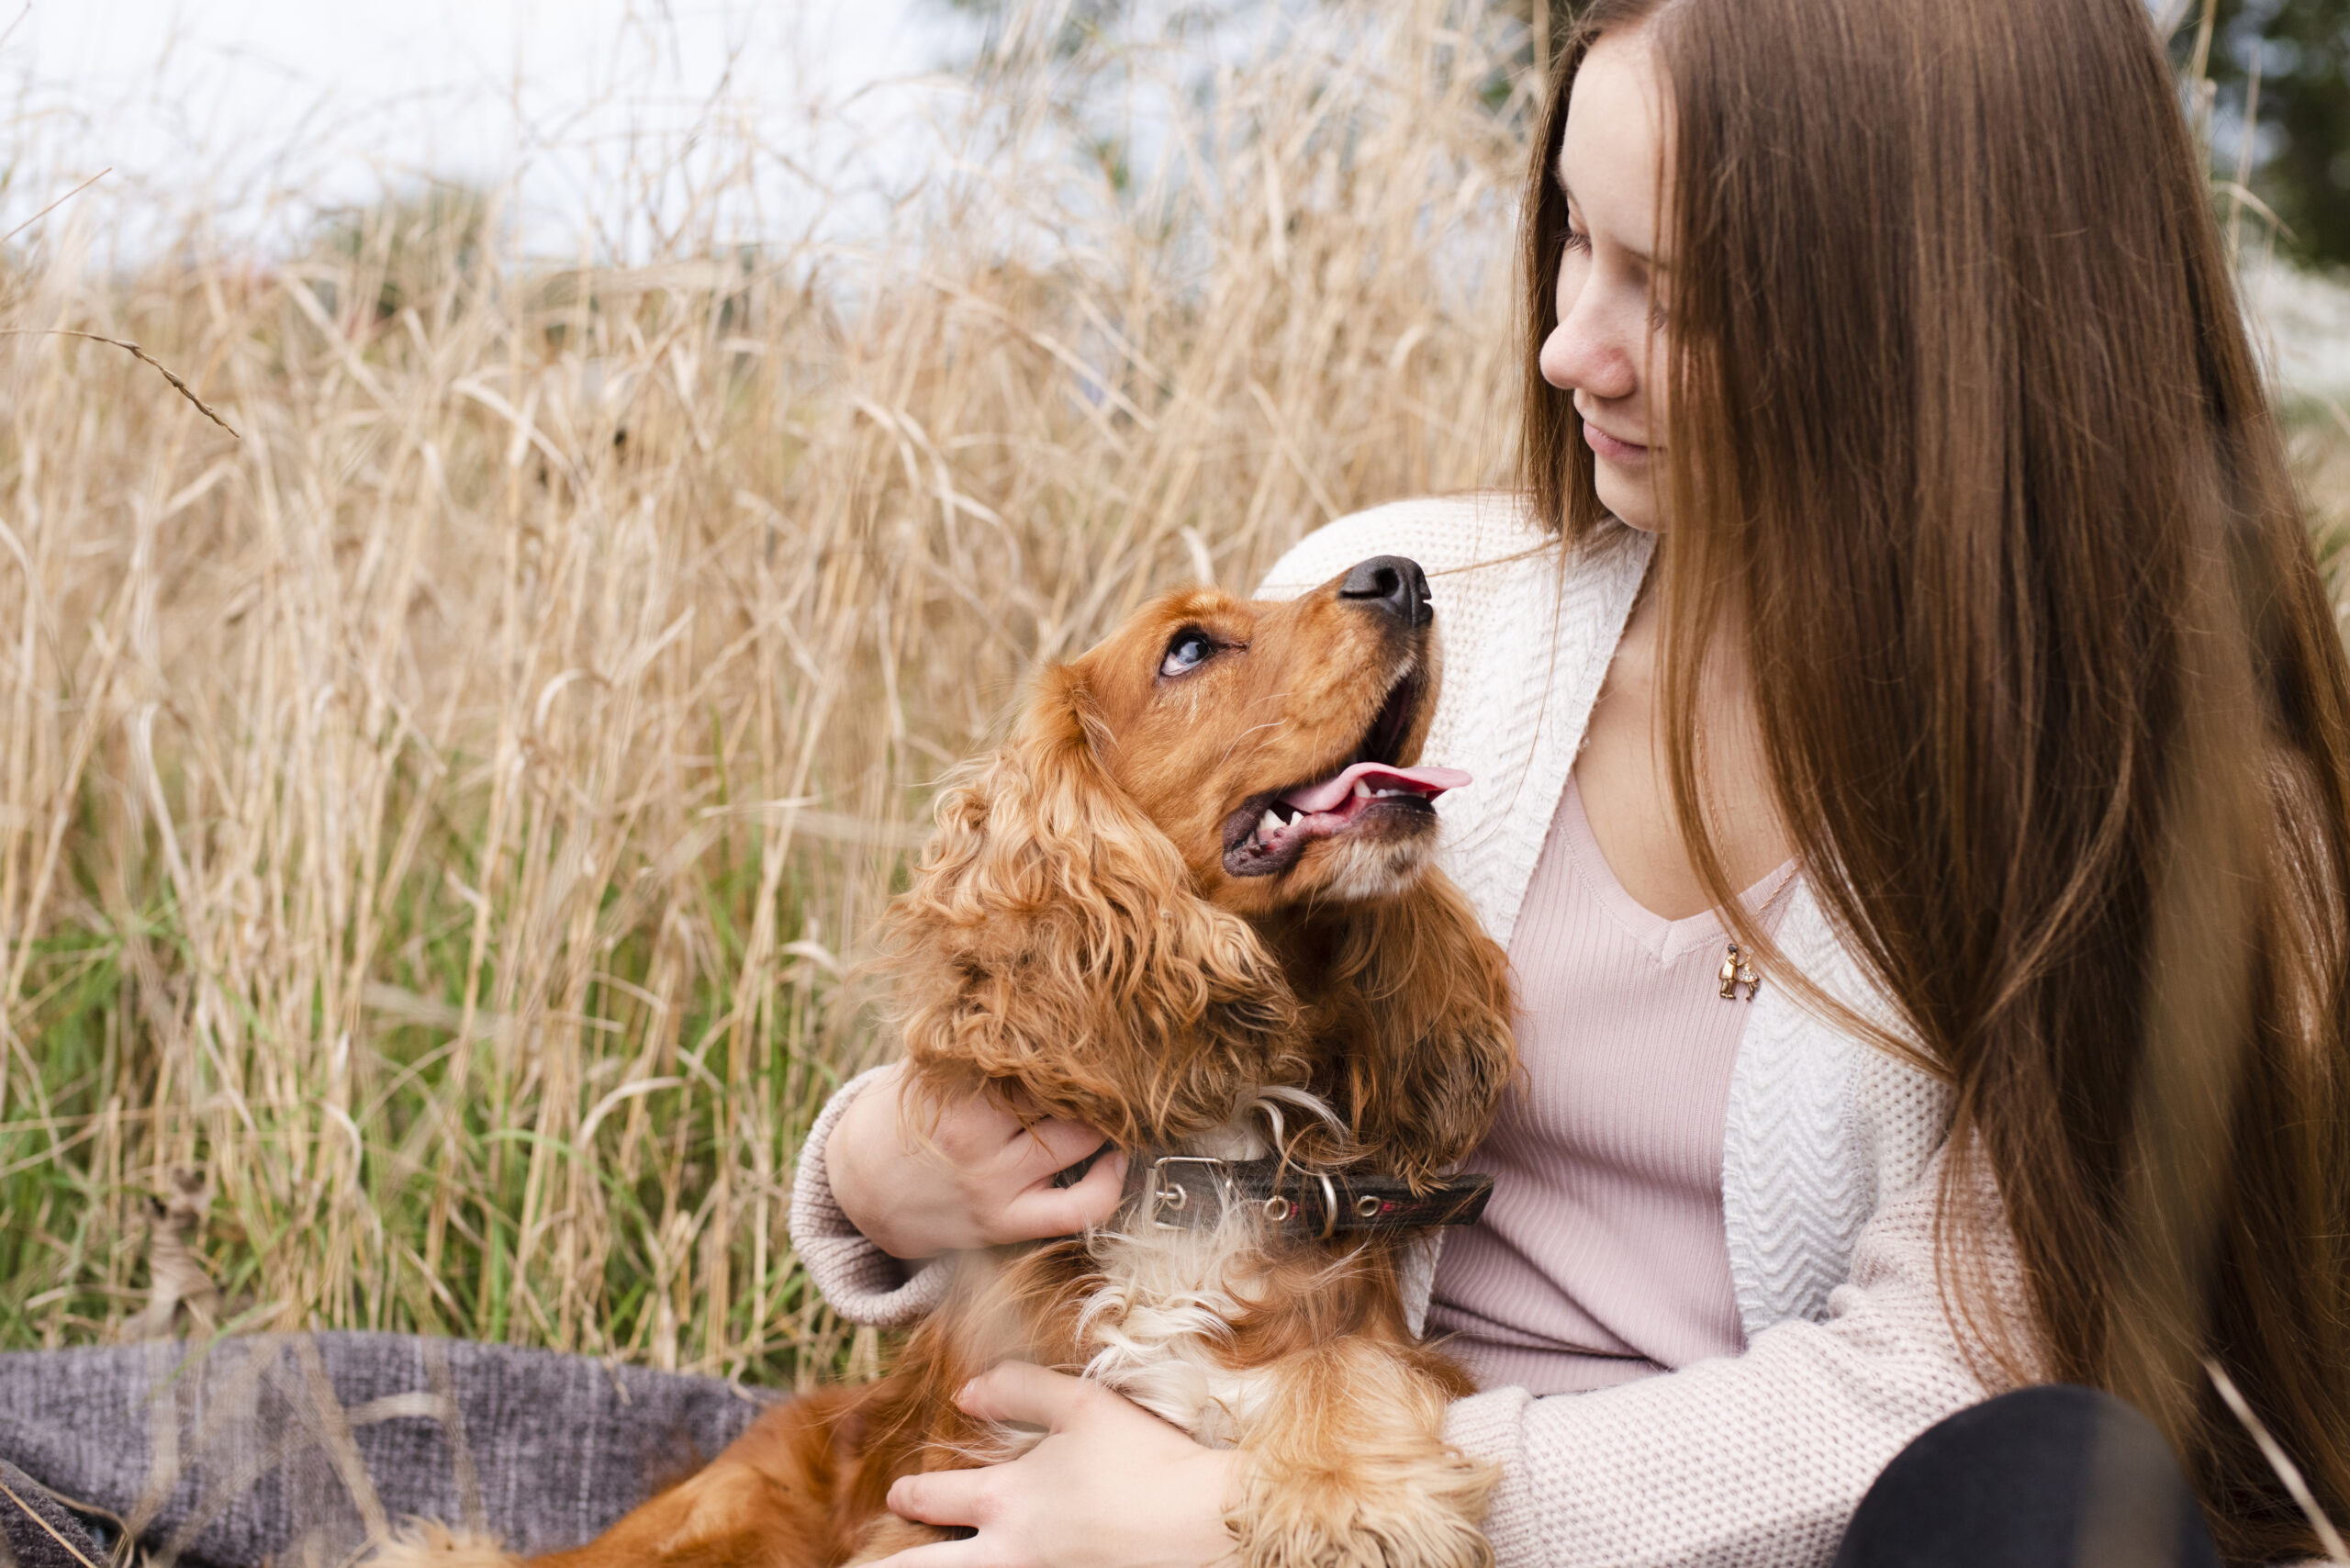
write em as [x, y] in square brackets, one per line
[1188, 903]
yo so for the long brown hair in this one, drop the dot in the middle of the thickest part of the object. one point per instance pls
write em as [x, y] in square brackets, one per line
[1964, 434]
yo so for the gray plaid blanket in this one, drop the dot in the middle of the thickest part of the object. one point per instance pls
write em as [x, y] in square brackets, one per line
[300, 1449]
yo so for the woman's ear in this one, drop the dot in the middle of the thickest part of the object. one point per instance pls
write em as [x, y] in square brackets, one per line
[1435, 1044]
[1053, 937]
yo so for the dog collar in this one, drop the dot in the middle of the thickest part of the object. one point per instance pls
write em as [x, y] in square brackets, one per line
[1186, 1191]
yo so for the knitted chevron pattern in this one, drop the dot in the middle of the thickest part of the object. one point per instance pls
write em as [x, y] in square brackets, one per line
[1822, 1128]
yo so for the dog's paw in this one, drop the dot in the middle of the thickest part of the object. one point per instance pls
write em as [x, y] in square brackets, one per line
[1424, 1515]
[425, 1544]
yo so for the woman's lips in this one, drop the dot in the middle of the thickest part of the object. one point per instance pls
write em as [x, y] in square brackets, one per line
[1608, 446]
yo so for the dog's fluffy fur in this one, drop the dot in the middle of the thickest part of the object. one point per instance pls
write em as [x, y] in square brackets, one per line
[1092, 924]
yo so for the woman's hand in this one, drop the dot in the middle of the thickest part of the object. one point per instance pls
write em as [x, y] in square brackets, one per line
[1110, 1486]
[981, 1179]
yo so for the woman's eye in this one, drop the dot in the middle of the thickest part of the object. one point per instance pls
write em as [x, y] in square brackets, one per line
[1577, 240]
[1187, 652]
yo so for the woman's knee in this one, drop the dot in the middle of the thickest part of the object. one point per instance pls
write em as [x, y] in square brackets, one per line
[2054, 1476]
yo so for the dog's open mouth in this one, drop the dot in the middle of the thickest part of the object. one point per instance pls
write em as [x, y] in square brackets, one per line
[1271, 831]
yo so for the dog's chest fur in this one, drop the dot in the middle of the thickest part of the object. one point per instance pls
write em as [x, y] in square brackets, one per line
[1158, 1328]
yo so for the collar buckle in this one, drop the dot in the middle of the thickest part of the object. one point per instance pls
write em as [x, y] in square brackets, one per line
[1171, 1194]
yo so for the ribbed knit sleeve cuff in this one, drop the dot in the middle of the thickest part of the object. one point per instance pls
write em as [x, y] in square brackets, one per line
[1492, 1426]
[863, 1283]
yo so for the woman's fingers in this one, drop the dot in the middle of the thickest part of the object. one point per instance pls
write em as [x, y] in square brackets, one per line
[965, 1553]
[919, 1180]
[973, 1126]
[1054, 1144]
[988, 1128]
[1109, 1484]
[1026, 1392]
[944, 1497]
[1047, 1210]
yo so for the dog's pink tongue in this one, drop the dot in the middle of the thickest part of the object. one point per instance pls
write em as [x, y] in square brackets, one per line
[1428, 781]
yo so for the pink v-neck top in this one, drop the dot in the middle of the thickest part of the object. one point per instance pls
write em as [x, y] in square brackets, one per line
[1602, 1257]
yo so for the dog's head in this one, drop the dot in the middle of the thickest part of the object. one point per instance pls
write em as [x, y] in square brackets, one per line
[1199, 867]
[1272, 744]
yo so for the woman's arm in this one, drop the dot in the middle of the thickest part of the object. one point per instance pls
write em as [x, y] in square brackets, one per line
[875, 1203]
[862, 1283]
[1757, 1459]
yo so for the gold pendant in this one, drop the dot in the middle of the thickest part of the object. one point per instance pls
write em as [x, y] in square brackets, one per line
[1736, 971]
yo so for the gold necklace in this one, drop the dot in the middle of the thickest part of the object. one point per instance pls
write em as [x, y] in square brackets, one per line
[1738, 969]
[1738, 966]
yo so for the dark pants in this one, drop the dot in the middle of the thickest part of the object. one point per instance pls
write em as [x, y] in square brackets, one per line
[2048, 1477]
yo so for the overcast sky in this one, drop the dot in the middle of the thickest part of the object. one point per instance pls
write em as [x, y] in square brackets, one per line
[261, 112]
[235, 104]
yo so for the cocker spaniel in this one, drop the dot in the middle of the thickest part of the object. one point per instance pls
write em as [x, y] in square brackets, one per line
[1188, 902]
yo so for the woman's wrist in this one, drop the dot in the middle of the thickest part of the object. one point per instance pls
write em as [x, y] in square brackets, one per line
[859, 1157]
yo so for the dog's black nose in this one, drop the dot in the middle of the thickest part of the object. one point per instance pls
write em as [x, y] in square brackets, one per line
[1393, 583]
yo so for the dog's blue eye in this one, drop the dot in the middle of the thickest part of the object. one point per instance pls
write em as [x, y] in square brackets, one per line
[1187, 652]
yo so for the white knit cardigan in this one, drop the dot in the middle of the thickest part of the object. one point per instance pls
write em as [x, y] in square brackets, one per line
[1829, 1166]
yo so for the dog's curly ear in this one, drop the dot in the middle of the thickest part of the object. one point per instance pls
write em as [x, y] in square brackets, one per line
[1434, 1042]
[1053, 937]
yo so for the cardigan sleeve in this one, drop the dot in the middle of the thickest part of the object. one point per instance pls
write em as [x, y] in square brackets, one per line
[1754, 1460]
[859, 1281]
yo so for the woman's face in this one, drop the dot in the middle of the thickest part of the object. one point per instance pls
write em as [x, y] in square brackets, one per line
[1608, 348]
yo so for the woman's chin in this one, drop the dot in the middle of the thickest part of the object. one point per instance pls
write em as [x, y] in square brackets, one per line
[1632, 502]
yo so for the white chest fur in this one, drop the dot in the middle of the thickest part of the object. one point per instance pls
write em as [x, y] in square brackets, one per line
[1158, 1327]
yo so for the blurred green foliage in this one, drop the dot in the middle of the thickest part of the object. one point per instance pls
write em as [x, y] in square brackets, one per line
[2300, 50]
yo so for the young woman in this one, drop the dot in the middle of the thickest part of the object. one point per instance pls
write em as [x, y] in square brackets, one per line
[1907, 614]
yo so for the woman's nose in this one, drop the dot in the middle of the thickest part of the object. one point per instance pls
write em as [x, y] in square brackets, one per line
[1587, 352]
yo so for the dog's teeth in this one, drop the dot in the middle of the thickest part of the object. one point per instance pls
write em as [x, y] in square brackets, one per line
[1362, 790]
[1270, 825]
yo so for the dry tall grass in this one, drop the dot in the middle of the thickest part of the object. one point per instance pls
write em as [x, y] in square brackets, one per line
[444, 814]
